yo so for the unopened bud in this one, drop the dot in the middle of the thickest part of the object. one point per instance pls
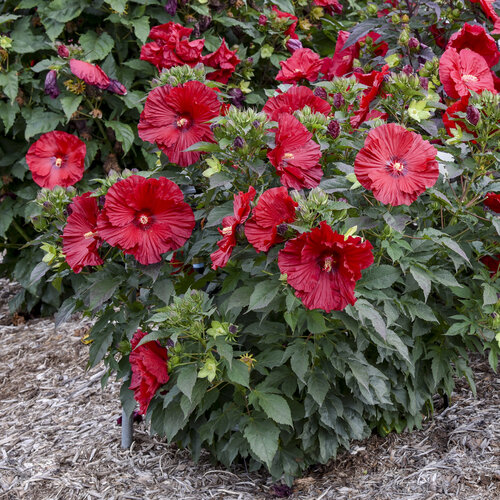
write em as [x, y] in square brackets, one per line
[239, 142]
[51, 87]
[116, 87]
[171, 7]
[333, 129]
[338, 100]
[282, 229]
[408, 70]
[473, 115]
[63, 51]
[292, 45]
[320, 92]
[262, 19]
[413, 43]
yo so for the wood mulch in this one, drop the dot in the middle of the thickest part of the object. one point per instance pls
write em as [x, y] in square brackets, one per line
[59, 438]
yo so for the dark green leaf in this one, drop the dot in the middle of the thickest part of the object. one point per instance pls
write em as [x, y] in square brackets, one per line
[262, 436]
[186, 378]
[276, 407]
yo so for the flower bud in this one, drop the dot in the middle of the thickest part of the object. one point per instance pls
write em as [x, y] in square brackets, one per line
[238, 143]
[63, 51]
[320, 92]
[333, 129]
[413, 43]
[338, 100]
[424, 82]
[51, 87]
[408, 70]
[395, 19]
[405, 18]
[262, 19]
[171, 7]
[237, 97]
[116, 87]
[282, 229]
[372, 9]
[292, 45]
[473, 115]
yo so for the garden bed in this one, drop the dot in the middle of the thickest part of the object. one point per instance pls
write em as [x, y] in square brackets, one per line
[59, 438]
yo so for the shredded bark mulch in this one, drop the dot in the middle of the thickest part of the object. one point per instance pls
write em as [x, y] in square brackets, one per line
[59, 438]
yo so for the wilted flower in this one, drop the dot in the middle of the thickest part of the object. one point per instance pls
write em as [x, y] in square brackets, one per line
[171, 7]
[262, 19]
[320, 92]
[473, 115]
[237, 97]
[333, 129]
[51, 88]
[338, 100]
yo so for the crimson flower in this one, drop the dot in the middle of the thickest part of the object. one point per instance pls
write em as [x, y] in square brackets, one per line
[463, 71]
[489, 11]
[290, 31]
[303, 63]
[149, 369]
[293, 99]
[145, 218]
[274, 210]
[451, 119]
[56, 159]
[224, 61]
[492, 263]
[330, 6]
[396, 164]
[241, 208]
[91, 74]
[171, 47]
[80, 237]
[475, 38]
[373, 81]
[323, 267]
[176, 118]
[296, 155]
[492, 201]
[341, 62]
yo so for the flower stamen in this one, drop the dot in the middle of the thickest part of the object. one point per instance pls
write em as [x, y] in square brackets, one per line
[90, 234]
[58, 162]
[328, 263]
[469, 78]
[288, 156]
[182, 122]
[227, 230]
[144, 219]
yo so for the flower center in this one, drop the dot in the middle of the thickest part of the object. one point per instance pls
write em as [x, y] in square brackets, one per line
[328, 263]
[58, 162]
[470, 78]
[89, 235]
[227, 230]
[183, 122]
[396, 167]
[288, 156]
[144, 219]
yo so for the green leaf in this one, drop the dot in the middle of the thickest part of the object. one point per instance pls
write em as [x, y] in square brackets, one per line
[100, 345]
[174, 420]
[117, 5]
[103, 290]
[276, 407]
[127, 399]
[39, 271]
[379, 277]
[262, 436]
[225, 350]
[8, 17]
[70, 104]
[141, 28]
[123, 132]
[9, 82]
[318, 386]
[366, 310]
[300, 363]
[316, 322]
[164, 289]
[489, 295]
[239, 373]
[39, 121]
[65, 311]
[263, 294]
[8, 112]
[96, 47]
[423, 280]
[445, 278]
[186, 378]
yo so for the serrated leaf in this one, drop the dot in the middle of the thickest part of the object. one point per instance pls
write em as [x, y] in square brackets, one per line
[445, 278]
[164, 289]
[186, 379]
[423, 280]
[362, 29]
[262, 436]
[318, 386]
[489, 295]
[141, 28]
[9, 83]
[70, 104]
[39, 271]
[276, 407]
[8, 112]
[65, 311]
[239, 373]
[263, 294]
[379, 277]
[96, 47]
[103, 290]
[117, 5]
[123, 132]
[173, 421]
[100, 344]
[40, 121]
[225, 350]
[127, 399]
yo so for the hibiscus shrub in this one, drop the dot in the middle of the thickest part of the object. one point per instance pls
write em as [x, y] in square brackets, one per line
[286, 267]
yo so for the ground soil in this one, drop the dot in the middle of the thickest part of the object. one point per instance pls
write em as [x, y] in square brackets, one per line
[59, 438]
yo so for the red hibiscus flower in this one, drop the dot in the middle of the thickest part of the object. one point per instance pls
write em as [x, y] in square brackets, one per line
[80, 238]
[451, 119]
[290, 31]
[176, 118]
[492, 263]
[149, 369]
[241, 206]
[396, 164]
[489, 11]
[274, 210]
[145, 218]
[492, 201]
[303, 63]
[296, 155]
[373, 81]
[341, 62]
[475, 38]
[323, 267]
[463, 71]
[171, 47]
[56, 159]
[91, 74]
[293, 99]
[330, 6]
[439, 35]
[224, 61]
